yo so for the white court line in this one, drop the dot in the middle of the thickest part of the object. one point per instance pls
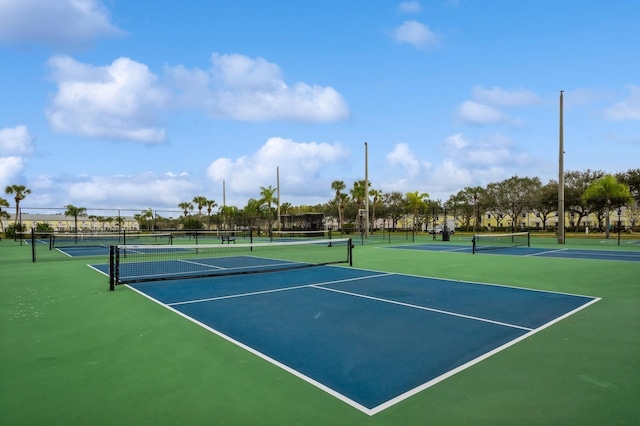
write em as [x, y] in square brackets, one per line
[424, 308]
[546, 252]
[338, 395]
[201, 264]
[275, 290]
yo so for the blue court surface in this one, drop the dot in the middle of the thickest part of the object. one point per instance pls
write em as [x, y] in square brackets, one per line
[84, 251]
[371, 339]
[566, 253]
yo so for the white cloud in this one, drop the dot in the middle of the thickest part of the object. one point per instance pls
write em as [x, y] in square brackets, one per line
[15, 141]
[477, 113]
[59, 23]
[415, 33]
[118, 101]
[498, 97]
[497, 151]
[466, 162]
[241, 88]
[485, 104]
[410, 7]
[449, 177]
[629, 109]
[456, 141]
[404, 157]
[301, 165]
[141, 190]
[10, 169]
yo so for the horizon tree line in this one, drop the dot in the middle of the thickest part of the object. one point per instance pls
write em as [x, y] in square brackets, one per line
[586, 192]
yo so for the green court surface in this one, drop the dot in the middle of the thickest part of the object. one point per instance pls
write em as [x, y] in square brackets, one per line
[74, 353]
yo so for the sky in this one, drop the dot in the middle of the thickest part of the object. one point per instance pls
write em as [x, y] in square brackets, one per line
[146, 104]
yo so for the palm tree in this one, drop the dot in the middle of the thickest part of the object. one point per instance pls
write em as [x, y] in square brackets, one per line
[210, 204]
[186, 207]
[200, 201]
[73, 211]
[415, 202]
[21, 193]
[339, 186]
[285, 208]
[376, 194]
[267, 198]
[342, 201]
[3, 214]
[251, 211]
[147, 216]
[358, 195]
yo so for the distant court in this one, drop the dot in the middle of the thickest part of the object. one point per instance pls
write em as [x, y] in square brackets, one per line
[566, 253]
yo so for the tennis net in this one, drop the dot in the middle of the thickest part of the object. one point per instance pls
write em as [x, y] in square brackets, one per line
[210, 236]
[60, 241]
[500, 241]
[139, 263]
[276, 236]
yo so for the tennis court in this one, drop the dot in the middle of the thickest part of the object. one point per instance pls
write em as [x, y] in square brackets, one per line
[371, 339]
[401, 337]
[563, 253]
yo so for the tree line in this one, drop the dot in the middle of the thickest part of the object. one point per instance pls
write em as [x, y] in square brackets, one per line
[588, 192]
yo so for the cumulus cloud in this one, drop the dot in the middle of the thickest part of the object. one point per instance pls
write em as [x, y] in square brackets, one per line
[141, 190]
[118, 101]
[10, 168]
[252, 89]
[484, 108]
[59, 23]
[405, 158]
[15, 141]
[477, 113]
[496, 151]
[124, 100]
[410, 7]
[466, 162]
[416, 34]
[301, 167]
[629, 109]
[499, 97]
[456, 141]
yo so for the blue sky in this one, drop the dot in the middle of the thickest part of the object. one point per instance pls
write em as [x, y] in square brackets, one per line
[121, 104]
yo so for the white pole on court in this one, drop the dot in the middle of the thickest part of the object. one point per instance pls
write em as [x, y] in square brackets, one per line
[366, 190]
[561, 239]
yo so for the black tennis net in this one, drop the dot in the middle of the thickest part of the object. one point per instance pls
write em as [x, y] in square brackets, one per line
[61, 241]
[139, 263]
[276, 236]
[500, 241]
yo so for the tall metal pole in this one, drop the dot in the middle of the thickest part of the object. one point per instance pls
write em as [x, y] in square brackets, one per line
[561, 239]
[224, 206]
[278, 186]
[366, 190]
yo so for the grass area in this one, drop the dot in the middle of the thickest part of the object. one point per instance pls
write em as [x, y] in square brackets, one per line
[74, 353]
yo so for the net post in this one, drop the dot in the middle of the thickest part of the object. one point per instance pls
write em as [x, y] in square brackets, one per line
[112, 269]
[473, 240]
[350, 252]
[528, 239]
[33, 244]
